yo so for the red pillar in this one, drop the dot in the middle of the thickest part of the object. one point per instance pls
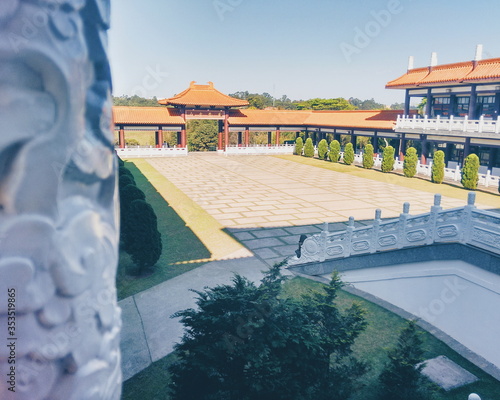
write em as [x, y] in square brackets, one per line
[183, 137]
[160, 137]
[121, 138]
[247, 136]
[226, 128]
[278, 134]
[220, 144]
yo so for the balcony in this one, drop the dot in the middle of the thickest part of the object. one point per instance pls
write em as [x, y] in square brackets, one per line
[482, 126]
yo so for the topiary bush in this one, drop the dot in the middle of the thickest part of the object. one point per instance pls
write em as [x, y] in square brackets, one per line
[299, 145]
[410, 162]
[309, 148]
[470, 172]
[144, 239]
[322, 149]
[348, 154]
[437, 170]
[334, 151]
[368, 157]
[388, 159]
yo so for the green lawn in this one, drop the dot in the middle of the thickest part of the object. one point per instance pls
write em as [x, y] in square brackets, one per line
[182, 250]
[382, 333]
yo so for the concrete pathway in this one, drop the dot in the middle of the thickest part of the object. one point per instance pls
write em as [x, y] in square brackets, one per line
[263, 202]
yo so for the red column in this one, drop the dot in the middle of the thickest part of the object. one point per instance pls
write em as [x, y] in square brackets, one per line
[121, 138]
[278, 133]
[220, 144]
[226, 128]
[183, 137]
[160, 137]
[247, 137]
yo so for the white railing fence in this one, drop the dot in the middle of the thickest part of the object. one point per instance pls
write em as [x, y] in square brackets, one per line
[455, 124]
[260, 149]
[135, 152]
[465, 225]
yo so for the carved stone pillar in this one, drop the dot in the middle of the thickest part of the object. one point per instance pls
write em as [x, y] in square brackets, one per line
[59, 320]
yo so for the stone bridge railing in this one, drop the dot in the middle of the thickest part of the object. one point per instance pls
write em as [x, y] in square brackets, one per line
[465, 225]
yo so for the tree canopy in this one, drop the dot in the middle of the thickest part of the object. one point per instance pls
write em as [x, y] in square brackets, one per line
[250, 342]
[325, 104]
[135, 101]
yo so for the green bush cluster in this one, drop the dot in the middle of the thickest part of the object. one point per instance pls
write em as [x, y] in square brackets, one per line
[470, 172]
[309, 148]
[334, 153]
[388, 159]
[322, 149]
[410, 162]
[299, 145]
[139, 234]
[368, 157]
[348, 154]
[437, 170]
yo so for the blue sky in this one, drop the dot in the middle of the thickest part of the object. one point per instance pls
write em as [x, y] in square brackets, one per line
[304, 49]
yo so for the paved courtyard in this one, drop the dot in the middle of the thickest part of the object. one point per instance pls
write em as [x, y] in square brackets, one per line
[267, 202]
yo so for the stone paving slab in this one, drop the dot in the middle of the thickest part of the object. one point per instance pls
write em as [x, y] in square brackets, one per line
[447, 374]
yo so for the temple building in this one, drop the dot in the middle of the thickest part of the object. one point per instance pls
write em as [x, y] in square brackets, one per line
[461, 111]
[460, 116]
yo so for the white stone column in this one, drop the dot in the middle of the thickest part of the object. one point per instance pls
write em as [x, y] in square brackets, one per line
[59, 320]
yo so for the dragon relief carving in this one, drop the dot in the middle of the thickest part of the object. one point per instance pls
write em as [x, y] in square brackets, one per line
[58, 199]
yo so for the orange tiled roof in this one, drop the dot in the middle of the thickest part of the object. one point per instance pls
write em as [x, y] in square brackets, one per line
[203, 95]
[411, 78]
[146, 116]
[368, 119]
[448, 73]
[484, 70]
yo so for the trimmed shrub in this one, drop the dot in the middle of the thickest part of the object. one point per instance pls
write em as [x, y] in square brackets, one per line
[144, 244]
[348, 154]
[124, 171]
[368, 157]
[437, 170]
[388, 159]
[121, 163]
[334, 151]
[125, 180]
[470, 172]
[299, 145]
[410, 162]
[309, 148]
[128, 194]
[322, 149]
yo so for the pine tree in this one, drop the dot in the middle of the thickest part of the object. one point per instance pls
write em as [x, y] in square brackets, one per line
[410, 162]
[334, 151]
[437, 170]
[388, 159]
[368, 157]
[470, 172]
[348, 154]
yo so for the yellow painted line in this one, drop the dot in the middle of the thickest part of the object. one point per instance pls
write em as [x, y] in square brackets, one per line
[204, 226]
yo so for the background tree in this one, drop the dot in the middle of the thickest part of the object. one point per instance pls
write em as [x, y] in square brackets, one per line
[309, 148]
[410, 162]
[299, 145]
[470, 172]
[368, 156]
[135, 101]
[388, 159]
[334, 153]
[348, 154]
[370, 104]
[437, 169]
[249, 342]
[325, 104]
[421, 106]
[322, 149]
[202, 135]
[401, 378]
